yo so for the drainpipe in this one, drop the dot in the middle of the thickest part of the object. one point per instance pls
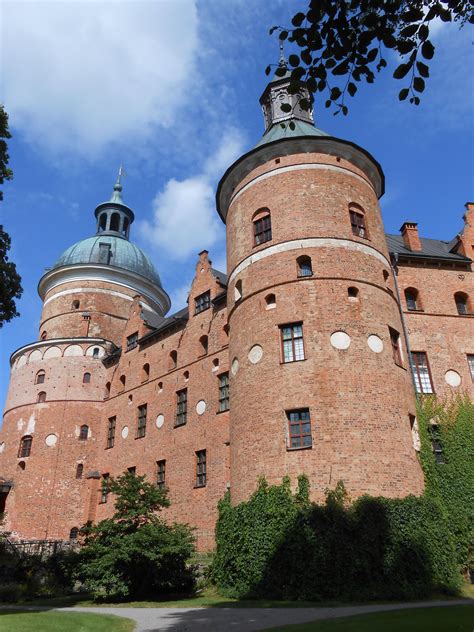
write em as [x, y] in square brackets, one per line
[394, 266]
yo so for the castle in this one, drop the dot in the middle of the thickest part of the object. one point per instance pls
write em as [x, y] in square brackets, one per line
[305, 357]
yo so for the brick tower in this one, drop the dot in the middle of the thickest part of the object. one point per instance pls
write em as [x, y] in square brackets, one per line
[319, 379]
[50, 435]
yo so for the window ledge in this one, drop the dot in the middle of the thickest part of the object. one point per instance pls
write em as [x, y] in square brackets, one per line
[301, 447]
[401, 366]
[219, 412]
[199, 486]
[179, 425]
[293, 361]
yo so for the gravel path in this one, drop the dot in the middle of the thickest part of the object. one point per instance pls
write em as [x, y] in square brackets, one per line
[244, 619]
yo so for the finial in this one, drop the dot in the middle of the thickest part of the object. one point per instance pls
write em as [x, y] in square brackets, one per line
[282, 55]
[116, 195]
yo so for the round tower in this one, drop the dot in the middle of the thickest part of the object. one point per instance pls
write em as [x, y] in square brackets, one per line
[319, 380]
[49, 441]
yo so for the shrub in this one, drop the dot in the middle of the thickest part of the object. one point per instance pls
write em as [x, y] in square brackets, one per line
[135, 554]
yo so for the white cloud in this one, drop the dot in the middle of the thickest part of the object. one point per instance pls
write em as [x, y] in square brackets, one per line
[185, 220]
[80, 75]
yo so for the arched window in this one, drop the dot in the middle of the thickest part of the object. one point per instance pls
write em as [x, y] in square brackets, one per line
[76, 304]
[203, 345]
[25, 446]
[461, 300]
[186, 375]
[107, 390]
[43, 335]
[262, 226]
[122, 380]
[102, 222]
[172, 360]
[41, 397]
[83, 433]
[79, 470]
[358, 221]
[115, 221]
[304, 266]
[73, 533]
[270, 301]
[412, 299]
[95, 352]
[353, 293]
[22, 465]
[145, 372]
[238, 291]
[86, 378]
[40, 377]
[385, 275]
[125, 226]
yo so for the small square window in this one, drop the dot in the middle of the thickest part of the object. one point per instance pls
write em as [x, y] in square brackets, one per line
[292, 342]
[299, 425]
[132, 341]
[202, 302]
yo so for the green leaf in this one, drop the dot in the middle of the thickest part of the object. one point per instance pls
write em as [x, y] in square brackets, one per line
[423, 69]
[280, 71]
[283, 35]
[427, 50]
[418, 84]
[405, 46]
[268, 70]
[335, 93]
[298, 19]
[409, 30]
[327, 104]
[402, 95]
[423, 32]
[351, 88]
[294, 60]
[372, 54]
[342, 68]
[272, 30]
[292, 125]
[401, 71]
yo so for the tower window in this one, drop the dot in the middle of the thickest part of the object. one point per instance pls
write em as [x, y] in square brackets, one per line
[122, 380]
[304, 266]
[126, 223]
[40, 377]
[107, 390]
[181, 407]
[299, 428]
[102, 222]
[161, 474]
[353, 293]
[395, 341]
[145, 372]
[41, 397]
[115, 222]
[202, 302]
[95, 352]
[76, 304]
[292, 342]
[421, 372]
[73, 533]
[79, 470]
[132, 470]
[111, 432]
[203, 345]
[411, 297]
[132, 341]
[461, 303]
[223, 392]
[173, 360]
[358, 224]
[262, 227]
[436, 444]
[238, 291]
[201, 473]
[43, 335]
[105, 488]
[141, 425]
[25, 446]
[270, 301]
[86, 378]
[470, 361]
[83, 433]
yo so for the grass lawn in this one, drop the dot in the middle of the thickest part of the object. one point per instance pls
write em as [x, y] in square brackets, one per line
[447, 619]
[20, 621]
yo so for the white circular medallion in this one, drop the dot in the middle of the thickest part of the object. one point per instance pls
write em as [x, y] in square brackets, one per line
[160, 420]
[340, 340]
[124, 432]
[235, 366]
[255, 354]
[51, 440]
[2, 447]
[452, 378]
[201, 407]
[375, 344]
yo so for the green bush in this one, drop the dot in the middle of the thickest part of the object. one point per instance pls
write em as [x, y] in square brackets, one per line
[135, 554]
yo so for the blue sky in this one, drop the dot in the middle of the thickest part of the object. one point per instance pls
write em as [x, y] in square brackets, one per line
[170, 89]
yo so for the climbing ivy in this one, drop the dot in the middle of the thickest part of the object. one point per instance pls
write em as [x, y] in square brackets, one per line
[278, 544]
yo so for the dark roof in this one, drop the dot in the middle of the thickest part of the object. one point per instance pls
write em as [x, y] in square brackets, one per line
[222, 278]
[178, 317]
[431, 249]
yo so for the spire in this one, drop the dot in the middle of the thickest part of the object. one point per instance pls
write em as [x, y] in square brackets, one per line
[117, 194]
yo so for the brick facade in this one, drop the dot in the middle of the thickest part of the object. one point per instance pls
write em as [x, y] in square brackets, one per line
[107, 351]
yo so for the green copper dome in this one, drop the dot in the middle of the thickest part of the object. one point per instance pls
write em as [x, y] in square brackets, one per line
[277, 132]
[111, 250]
